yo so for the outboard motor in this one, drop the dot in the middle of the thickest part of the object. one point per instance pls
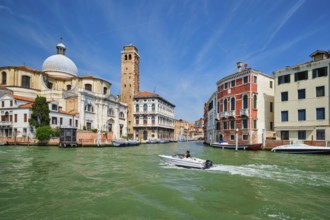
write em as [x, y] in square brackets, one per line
[208, 164]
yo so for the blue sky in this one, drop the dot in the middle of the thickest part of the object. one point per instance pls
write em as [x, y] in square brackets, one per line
[185, 46]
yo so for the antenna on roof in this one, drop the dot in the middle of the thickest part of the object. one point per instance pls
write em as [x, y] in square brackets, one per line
[155, 89]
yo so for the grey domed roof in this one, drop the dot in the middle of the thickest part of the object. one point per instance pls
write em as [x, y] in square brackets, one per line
[60, 63]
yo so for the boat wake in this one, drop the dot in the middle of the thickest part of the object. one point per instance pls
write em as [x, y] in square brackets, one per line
[272, 172]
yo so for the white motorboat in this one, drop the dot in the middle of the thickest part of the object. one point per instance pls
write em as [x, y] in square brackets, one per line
[301, 149]
[190, 162]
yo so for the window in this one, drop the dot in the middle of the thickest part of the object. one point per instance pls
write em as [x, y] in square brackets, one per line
[137, 120]
[145, 120]
[255, 124]
[232, 124]
[153, 120]
[88, 125]
[320, 134]
[26, 82]
[4, 78]
[145, 107]
[284, 96]
[210, 106]
[301, 93]
[68, 87]
[320, 72]
[15, 117]
[271, 84]
[11, 103]
[76, 123]
[232, 83]
[110, 127]
[232, 137]
[49, 85]
[271, 126]
[301, 76]
[320, 114]
[153, 107]
[89, 108]
[225, 105]
[137, 108]
[105, 90]
[255, 79]
[245, 123]
[301, 135]
[226, 85]
[245, 102]
[54, 107]
[25, 117]
[284, 116]
[121, 115]
[88, 87]
[245, 137]
[255, 101]
[3, 104]
[283, 79]
[284, 135]
[232, 103]
[61, 121]
[320, 91]
[54, 120]
[225, 125]
[245, 79]
[301, 115]
[111, 112]
[271, 106]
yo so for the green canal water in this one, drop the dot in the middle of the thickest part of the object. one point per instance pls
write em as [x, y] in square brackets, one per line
[132, 183]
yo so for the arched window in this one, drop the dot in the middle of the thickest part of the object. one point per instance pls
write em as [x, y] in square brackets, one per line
[125, 57]
[68, 87]
[245, 102]
[88, 87]
[145, 107]
[26, 82]
[225, 105]
[145, 120]
[121, 115]
[111, 112]
[137, 108]
[3, 78]
[153, 107]
[255, 101]
[130, 57]
[232, 103]
[137, 120]
[89, 108]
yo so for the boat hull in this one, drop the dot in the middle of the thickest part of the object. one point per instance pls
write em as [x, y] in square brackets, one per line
[125, 143]
[239, 147]
[181, 161]
[301, 149]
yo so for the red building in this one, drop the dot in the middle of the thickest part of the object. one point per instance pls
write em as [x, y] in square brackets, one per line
[245, 101]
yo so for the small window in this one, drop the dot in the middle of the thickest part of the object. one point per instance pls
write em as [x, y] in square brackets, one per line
[255, 124]
[54, 107]
[245, 137]
[232, 104]
[225, 105]
[271, 126]
[25, 117]
[255, 79]
[245, 102]
[88, 87]
[301, 76]
[232, 83]
[255, 101]
[145, 120]
[301, 115]
[105, 90]
[271, 107]
[284, 96]
[68, 87]
[226, 85]
[320, 72]
[61, 121]
[245, 123]
[271, 84]
[284, 116]
[137, 120]
[89, 108]
[70, 122]
[301, 93]
[232, 137]
[301, 135]
[225, 125]
[320, 91]
[320, 134]
[232, 124]
[283, 79]
[137, 108]
[284, 135]
[26, 82]
[88, 125]
[245, 79]
[3, 78]
[320, 113]
[54, 120]
[145, 107]
[153, 107]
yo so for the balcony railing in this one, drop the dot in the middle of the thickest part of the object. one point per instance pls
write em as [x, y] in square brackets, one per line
[231, 113]
[244, 112]
[6, 123]
[223, 114]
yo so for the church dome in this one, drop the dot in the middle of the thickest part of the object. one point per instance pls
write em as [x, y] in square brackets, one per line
[60, 65]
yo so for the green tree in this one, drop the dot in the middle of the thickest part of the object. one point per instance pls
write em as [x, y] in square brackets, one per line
[43, 133]
[40, 113]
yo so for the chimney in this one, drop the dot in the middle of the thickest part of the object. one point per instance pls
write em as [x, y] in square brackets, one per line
[239, 65]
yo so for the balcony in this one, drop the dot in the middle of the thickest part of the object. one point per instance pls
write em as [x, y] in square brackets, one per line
[6, 123]
[223, 114]
[231, 113]
[244, 112]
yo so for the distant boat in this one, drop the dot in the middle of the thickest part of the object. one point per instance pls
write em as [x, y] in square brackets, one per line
[124, 143]
[3, 143]
[301, 149]
[225, 145]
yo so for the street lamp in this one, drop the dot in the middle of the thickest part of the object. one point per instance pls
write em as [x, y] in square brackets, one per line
[236, 146]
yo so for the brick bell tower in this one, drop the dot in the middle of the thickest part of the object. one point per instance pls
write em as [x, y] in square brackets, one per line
[130, 82]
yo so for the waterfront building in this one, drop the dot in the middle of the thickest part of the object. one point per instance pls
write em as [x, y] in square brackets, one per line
[181, 130]
[154, 117]
[199, 131]
[302, 100]
[246, 106]
[86, 100]
[211, 126]
[130, 82]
